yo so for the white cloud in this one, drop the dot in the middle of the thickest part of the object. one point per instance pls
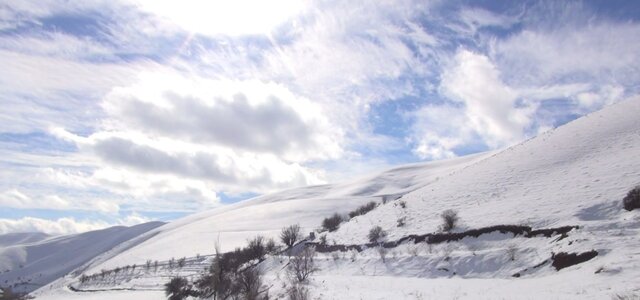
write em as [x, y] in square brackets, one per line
[247, 115]
[490, 105]
[56, 227]
[63, 226]
[31, 84]
[219, 165]
[597, 51]
[231, 135]
[16, 199]
[240, 17]
[438, 130]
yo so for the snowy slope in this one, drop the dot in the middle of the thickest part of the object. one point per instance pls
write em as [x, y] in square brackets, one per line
[18, 238]
[29, 261]
[232, 225]
[574, 175]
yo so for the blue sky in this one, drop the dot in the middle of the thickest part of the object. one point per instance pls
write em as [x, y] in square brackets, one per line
[121, 112]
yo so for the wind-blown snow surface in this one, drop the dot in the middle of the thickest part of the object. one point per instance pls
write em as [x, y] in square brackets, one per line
[31, 260]
[574, 175]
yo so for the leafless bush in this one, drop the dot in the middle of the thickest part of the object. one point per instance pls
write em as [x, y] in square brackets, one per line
[362, 210]
[632, 200]
[249, 283]
[402, 221]
[511, 252]
[628, 296]
[298, 292]
[301, 266]
[332, 223]
[256, 248]
[382, 251]
[290, 235]
[323, 239]
[376, 234]
[271, 247]
[449, 220]
[178, 288]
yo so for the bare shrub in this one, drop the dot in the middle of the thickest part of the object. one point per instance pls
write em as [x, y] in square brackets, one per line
[449, 220]
[362, 209]
[382, 251]
[628, 296]
[298, 292]
[271, 247]
[301, 266]
[249, 283]
[181, 262]
[323, 239]
[256, 248]
[402, 221]
[632, 200]
[376, 234]
[403, 204]
[332, 223]
[217, 281]
[290, 235]
[177, 288]
[512, 250]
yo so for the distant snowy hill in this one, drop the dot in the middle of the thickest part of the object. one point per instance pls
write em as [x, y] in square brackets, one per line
[575, 176]
[17, 238]
[31, 260]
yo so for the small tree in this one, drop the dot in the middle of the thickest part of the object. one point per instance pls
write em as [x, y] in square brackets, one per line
[271, 246]
[376, 234]
[249, 283]
[182, 262]
[301, 266]
[290, 235]
[449, 220]
[178, 288]
[332, 223]
[256, 248]
[217, 282]
[632, 200]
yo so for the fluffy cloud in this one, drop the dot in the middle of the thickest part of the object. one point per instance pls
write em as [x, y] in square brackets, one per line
[63, 226]
[433, 140]
[15, 199]
[55, 227]
[243, 115]
[491, 107]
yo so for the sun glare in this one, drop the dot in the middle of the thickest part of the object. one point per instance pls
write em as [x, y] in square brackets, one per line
[237, 17]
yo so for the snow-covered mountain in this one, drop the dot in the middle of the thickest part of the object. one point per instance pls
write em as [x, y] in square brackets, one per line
[31, 260]
[575, 175]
